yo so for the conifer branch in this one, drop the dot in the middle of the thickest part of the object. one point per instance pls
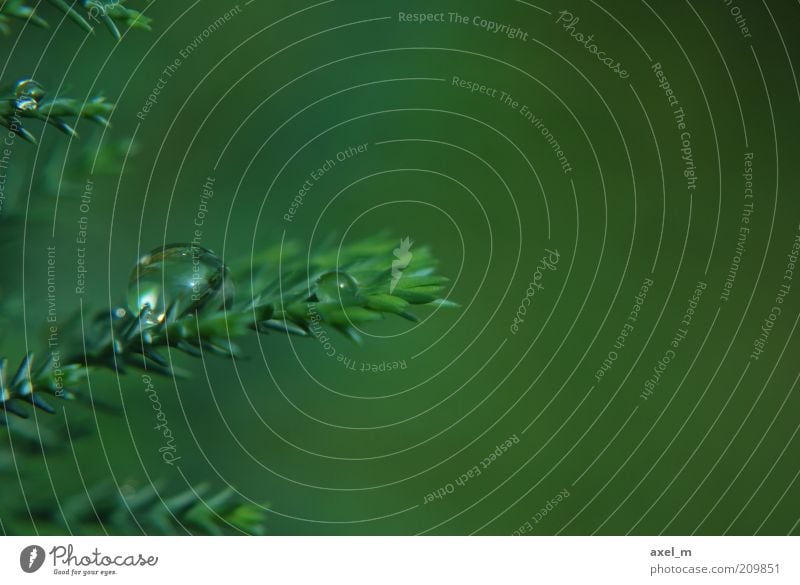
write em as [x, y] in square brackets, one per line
[344, 288]
[27, 99]
[19, 10]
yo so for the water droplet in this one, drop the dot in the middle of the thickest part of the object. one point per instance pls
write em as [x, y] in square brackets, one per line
[26, 104]
[27, 95]
[336, 286]
[179, 279]
[29, 87]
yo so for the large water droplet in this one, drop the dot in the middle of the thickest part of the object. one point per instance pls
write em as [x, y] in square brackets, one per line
[27, 95]
[176, 279]
[336, 286]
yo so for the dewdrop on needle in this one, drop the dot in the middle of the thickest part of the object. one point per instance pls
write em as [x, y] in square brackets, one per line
[179, 278]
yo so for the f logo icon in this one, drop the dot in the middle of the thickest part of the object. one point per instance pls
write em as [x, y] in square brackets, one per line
[31, 558]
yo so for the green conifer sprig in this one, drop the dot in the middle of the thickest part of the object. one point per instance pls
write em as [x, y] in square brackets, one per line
[28, 385]
[293, 297]
[112, 13]
[284, 295]
[19, 10]
[27, 99]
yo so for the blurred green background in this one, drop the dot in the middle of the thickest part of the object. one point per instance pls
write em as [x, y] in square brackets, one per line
[264, 100]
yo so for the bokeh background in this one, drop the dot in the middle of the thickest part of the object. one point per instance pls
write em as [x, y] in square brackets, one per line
[263, 100]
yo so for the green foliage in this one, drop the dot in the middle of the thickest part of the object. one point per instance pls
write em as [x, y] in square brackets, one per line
[27, 385]
[292, 297]
[104, 508]
[112, 13]
[284, 296]
[20, 10]
[26, 99]
[285, 289]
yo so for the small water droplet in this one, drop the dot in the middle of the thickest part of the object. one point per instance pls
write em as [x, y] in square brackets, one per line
[336, 286]
[26, 104]
[179, 279]
[27, 94]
